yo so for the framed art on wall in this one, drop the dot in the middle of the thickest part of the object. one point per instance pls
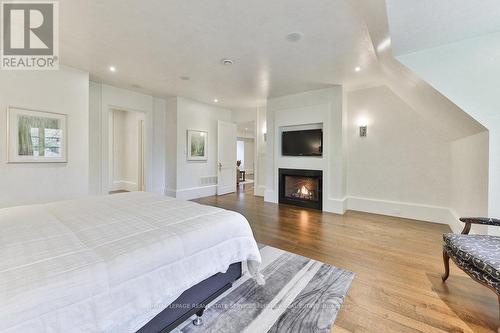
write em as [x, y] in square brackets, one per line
[36, 136]
[197, 145]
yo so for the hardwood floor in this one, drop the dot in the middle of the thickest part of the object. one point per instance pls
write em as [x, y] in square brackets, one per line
[397, 262]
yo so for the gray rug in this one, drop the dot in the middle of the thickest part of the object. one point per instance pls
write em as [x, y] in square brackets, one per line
[300, 295]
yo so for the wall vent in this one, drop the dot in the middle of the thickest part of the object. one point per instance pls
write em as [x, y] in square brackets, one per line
[209, 180]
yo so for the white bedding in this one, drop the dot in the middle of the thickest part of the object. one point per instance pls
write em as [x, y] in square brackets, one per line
[110, 264]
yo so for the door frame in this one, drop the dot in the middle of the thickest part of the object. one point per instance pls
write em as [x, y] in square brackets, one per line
[140, 159]
[106, 141]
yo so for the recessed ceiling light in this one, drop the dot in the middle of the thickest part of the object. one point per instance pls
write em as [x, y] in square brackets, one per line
[294, 36]
[216, 100]
[184, 78]
[227, 62]
[112, 68]
[357, 69]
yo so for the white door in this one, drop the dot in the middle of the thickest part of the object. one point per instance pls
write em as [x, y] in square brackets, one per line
[226, 154]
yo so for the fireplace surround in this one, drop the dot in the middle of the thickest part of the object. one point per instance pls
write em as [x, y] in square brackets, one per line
[301, 188]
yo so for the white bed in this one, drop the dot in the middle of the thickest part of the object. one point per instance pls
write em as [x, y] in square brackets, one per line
[110, 264]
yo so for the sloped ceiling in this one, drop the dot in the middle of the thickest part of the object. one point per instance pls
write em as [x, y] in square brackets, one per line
[441, 113]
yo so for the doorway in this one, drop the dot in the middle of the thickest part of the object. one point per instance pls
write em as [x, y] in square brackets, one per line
[245, 151]
[126, 151]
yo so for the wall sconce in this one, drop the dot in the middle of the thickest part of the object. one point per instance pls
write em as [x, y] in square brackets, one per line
[264, 131]
[363, 131]
[363, 127]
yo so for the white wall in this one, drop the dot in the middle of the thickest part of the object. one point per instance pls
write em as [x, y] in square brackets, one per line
[322, 107]
[103, 99]
[64, 91]
[159, 163]
[171, 147]
[192, 178]
[240, 152]
[249, 156]
[440, 110]
[260, 151]
[402, 166]
[468, 73]
[469, 179]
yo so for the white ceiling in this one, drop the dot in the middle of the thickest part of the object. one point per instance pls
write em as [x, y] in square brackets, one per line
[422, 24]
[153, 43]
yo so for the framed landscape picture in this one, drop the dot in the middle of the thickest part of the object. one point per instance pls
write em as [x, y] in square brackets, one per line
[36, 136]
[197, 145]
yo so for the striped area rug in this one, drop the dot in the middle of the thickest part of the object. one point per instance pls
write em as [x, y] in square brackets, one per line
[300, 295]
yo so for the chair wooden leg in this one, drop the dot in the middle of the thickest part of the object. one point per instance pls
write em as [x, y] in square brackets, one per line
[498, 330]
[446, 260]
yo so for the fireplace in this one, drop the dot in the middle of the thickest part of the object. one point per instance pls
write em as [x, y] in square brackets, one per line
[301, 188]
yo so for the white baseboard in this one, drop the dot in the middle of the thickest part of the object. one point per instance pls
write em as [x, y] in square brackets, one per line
[170, 192]
[259, 190]
[407, 210]
[195, 192]
[124, 185]
[337, 206]
[270, 196]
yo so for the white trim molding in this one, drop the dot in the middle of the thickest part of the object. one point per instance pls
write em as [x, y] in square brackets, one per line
[124, 185]
[407, 210]
[194, 192]
[336, 206]
[270, 196]
[260, 190]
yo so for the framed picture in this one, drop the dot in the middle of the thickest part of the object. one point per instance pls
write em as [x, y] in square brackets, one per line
[36, 136]
[197, 145]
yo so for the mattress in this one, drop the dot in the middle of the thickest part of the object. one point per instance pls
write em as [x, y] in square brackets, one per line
[111, 263]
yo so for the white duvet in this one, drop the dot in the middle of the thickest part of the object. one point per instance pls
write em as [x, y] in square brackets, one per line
[110, 264]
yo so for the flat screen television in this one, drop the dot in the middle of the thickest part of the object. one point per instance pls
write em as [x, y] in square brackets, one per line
[302, 143]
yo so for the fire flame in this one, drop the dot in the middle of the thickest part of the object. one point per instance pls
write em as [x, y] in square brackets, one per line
[304, 190]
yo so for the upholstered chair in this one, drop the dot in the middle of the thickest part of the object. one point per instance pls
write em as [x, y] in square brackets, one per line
[476, 255]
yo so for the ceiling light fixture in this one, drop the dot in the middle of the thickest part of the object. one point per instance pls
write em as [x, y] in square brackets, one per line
[227, 62]
[294, 37]
[357, 69]
[184, 78]
[112, 68]
[216, 100]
